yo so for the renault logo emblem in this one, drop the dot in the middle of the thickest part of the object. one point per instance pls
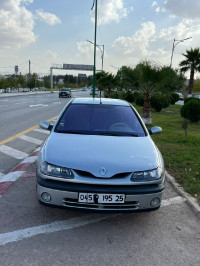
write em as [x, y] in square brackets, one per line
[103, 171]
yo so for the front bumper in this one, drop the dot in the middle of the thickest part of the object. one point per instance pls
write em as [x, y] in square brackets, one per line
[137, 198]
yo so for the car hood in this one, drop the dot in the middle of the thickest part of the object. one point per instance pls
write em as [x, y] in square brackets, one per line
[91, 153]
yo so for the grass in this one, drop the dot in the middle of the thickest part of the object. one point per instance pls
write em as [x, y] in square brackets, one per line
[181, 156]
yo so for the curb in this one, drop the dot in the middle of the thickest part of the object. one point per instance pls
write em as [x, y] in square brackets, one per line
[8, 180]
[190, 200]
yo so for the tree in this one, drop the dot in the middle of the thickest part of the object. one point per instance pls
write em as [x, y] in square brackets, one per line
[174, 80]
[191, 63]
[107, 81]
[146, 77]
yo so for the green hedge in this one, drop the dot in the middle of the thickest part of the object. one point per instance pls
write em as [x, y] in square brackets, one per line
[191, 110]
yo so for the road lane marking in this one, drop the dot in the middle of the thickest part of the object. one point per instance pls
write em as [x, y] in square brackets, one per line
[11, 177]
[30, 159]
[51, 228]
[24, 132]
[30, 139]
[36, 105]
[42, 131]
[13, 152]
[72, 223]
[3, 105]
[172, 201]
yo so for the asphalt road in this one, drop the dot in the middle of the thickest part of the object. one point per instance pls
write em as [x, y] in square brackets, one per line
[31, 234]
[22, 112]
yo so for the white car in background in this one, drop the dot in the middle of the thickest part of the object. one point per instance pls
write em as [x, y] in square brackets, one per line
[197, 96]
[180, 95]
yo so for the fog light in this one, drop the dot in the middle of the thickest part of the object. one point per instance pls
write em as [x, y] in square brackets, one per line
[46, 197]
[155, 202]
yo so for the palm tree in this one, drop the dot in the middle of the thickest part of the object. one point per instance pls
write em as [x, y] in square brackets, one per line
[107, 81]
[192, 63]
[146, 77]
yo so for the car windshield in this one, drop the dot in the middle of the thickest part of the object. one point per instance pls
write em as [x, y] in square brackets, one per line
[65, 89]
[100, 120]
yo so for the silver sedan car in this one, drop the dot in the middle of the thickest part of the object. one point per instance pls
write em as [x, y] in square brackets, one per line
[100, 156]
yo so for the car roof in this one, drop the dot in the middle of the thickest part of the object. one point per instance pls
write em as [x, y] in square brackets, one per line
[105, 101]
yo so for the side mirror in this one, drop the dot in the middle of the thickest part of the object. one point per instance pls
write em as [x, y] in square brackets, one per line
[155, 130]
[46, 125]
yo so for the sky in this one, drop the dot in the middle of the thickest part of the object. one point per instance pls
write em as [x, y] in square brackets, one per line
[52, 33]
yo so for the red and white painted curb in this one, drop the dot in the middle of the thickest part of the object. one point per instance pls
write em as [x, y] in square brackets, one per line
[7, 180]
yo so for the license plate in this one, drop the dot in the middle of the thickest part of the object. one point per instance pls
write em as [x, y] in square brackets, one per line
[101, 198]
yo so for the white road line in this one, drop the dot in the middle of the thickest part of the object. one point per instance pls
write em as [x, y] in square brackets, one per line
[3, 105]
[172, 201]
[21, 102]
[13, 152]
[36, 105]
[30, 159]
[32, 140]
[42, 130]
[50, 228]
[66, 224]
[11, 177]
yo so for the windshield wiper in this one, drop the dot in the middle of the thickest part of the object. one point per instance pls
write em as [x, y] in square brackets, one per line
[125, 134]
[71, 132]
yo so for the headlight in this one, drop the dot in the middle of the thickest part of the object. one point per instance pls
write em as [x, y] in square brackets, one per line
[57, 171]
[151, 175]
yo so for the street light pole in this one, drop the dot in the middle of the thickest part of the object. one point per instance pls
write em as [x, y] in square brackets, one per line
[102, 52]
[175, 43]
[95, 38]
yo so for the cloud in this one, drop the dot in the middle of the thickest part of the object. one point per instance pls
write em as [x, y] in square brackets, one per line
[16, 24]
[184, 8]
[138, 43]
[182, 30]
[48, 18]
[154, 3]
[152, 43]
[110, 10]
[160, 9]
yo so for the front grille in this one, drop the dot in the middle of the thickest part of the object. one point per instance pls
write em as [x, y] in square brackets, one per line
[131, 205]
[88, 174]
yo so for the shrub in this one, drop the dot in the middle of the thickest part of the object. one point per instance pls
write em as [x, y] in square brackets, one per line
[191, 99]
[140, 100]
[191, 110]
[105, 94]
[158, 102]
[114, 94]
[122, 95]
[135, 95]
[173, 97]
[129, 97]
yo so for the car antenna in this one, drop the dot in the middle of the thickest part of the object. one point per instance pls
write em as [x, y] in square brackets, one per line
[100, 94]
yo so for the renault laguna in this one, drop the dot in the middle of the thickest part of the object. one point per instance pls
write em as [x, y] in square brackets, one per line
[100, 156]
